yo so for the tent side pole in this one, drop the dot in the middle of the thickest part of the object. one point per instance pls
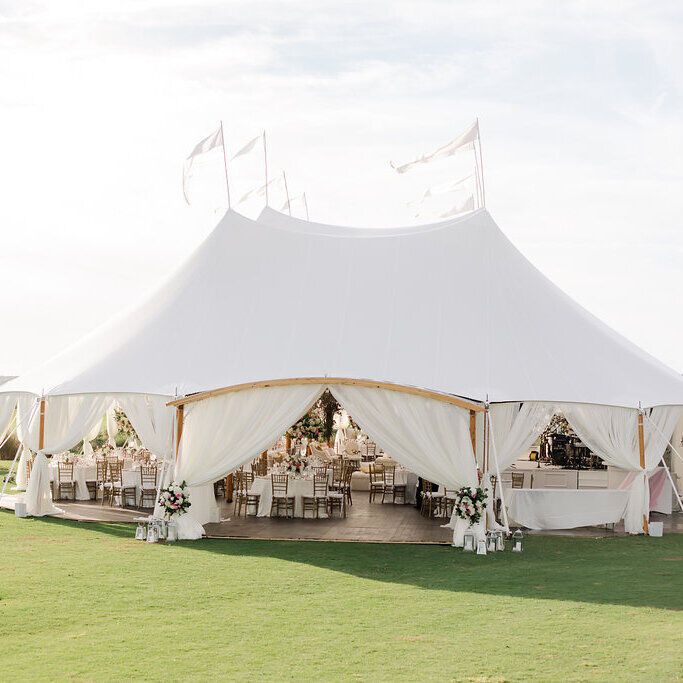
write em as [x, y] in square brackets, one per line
[641, 448]
[179, 417]
[473, 432]
[41, 426]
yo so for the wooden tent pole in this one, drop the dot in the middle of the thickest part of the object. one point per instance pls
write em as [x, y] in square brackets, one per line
[641, 448]
[41, 426]
[179, 418]
[473, 432]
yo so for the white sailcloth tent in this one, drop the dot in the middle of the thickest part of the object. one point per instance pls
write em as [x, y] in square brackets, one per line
[430, 323]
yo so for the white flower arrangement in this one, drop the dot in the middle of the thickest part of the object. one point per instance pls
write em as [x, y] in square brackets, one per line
[470, 503]
[174, 499]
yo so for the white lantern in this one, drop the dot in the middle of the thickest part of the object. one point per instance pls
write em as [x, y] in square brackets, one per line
[491, 541]
[468, 542]
[481, 546]
[517, 541]
[140, 532]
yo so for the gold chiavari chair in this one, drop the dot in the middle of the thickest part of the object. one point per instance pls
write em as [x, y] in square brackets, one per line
[115, 484]
[337, 500]
[243, 497]
[390, 487]
[370, 451]
[431, 500]
[518, 480]
[29, 467]
[66, 485]
[148, 485]
[101, 478]
[376, 481]
[281, 498]
[320, 495]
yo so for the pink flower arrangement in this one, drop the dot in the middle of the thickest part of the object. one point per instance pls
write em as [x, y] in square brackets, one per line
[174, 499]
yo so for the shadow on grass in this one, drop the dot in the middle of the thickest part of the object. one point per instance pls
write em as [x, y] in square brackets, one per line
[635, 571]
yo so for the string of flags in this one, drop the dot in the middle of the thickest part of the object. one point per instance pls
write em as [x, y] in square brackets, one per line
[217, 141]
[468, 141]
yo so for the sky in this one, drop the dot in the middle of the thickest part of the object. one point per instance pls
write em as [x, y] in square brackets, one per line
[580, 107]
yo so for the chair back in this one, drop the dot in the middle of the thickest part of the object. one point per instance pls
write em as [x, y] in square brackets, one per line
[320, 485]
[65, 471]
[389, 474]
[29, 467]
[101, 466]
[517, 480]
[115, 470]
[376, 476]
[244, 481]
[148, 476]
[279, 484]
[320, 471]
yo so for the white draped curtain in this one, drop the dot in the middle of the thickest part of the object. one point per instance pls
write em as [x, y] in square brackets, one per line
[224, 432]
[152, 420]
[430, 437]
[7, 404]
[67, 420]
[612, 433]
[515, 427]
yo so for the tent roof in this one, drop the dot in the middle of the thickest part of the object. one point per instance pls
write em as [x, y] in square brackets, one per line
[452, 307]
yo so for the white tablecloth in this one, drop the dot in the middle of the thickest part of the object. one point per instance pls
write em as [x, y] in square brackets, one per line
[296, 487]
[83, 473]
[565, 508]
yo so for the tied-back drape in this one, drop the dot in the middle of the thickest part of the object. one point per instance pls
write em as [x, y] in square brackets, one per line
[430, 437]
[152, 420]
[612, 433]
[515, 427]
[67, 420]
[224, 432]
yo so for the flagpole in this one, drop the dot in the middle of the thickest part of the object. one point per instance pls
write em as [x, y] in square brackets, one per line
[306, 205]
[476, 175]
[265, 162]
[289, 204]
[481, 161]
[225, 165]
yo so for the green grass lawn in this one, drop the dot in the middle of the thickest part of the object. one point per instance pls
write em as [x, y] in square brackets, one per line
[87, 602]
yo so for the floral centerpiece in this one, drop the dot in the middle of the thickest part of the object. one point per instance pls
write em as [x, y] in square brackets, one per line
[309, 427]
[295, 465]
[174, 499]
[470, 503]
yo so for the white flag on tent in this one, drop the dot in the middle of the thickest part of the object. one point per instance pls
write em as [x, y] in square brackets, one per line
[261, 191]
[443, 188]
[463, 141]
[206, 145]
[248, 147]
[464, 207]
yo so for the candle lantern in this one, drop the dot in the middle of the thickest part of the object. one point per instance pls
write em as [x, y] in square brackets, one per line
[481, 546]
[140, 532]
[468, 542]
[172, 532]
[491, 541]
[152, 533]
[500, 540]
[517, 541]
